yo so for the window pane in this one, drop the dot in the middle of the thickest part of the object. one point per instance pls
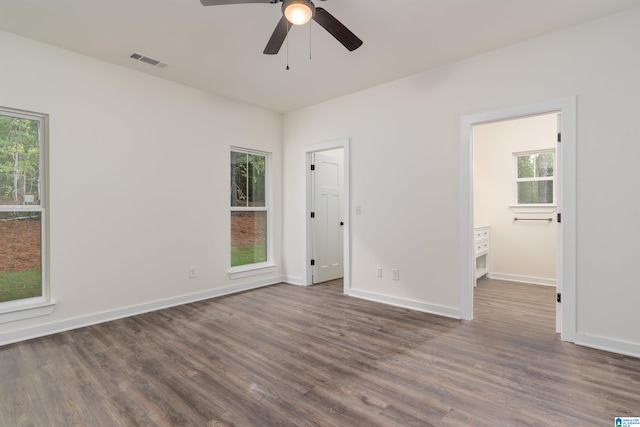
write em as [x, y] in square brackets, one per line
[526, 166]
[256, 180]
[248, 237]
[544, 165]
[19, 161]
[238, 179]
[20, 256]
[535, 192]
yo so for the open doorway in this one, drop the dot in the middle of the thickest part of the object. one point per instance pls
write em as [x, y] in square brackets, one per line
[566, 207]
[328, 212]
[515, 181]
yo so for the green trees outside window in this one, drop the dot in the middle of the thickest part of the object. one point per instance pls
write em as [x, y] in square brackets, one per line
[535, 178]
[19, 161]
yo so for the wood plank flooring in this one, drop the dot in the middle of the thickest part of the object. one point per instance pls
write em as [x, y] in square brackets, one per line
[286, 355]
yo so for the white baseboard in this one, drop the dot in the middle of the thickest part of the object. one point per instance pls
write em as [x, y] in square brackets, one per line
[292, 280]
[92, 319]
[522, 279]
[608, 344]
[405, 303]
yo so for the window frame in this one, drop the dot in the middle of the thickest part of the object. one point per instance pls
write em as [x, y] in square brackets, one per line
[517, 180]
[25, 308]
[268, 266]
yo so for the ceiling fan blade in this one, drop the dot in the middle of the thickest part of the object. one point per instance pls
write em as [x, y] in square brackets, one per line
[277, 38]
[337, 29]
[221, 2]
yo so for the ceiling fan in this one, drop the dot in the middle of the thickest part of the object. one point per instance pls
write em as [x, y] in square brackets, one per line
[298, 12]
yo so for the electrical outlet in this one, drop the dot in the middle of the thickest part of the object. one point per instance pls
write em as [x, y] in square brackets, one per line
[395, 274]
[192, 273]
[379, 272]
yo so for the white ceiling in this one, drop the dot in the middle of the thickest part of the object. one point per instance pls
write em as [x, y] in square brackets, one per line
[219, 48]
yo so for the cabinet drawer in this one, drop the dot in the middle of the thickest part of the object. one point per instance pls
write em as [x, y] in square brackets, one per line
[481, 233]
[482, 247]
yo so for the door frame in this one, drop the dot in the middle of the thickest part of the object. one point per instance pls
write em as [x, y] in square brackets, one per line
[309, 150]
[566, 204]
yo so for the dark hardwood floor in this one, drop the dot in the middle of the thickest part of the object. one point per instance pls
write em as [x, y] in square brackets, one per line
[286, 355]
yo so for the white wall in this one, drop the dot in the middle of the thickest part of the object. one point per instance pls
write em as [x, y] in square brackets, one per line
[405, 170]
[520, 250]
[139, 177]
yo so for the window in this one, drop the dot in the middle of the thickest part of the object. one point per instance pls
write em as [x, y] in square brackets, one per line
[22, 209]
[249, 208]
[535, 178]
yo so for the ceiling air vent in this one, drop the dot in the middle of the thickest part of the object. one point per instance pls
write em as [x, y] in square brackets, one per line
[148, 60]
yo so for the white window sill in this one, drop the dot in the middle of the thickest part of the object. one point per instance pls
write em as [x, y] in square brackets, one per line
[524, 209]
[251, 270]
[20, 310]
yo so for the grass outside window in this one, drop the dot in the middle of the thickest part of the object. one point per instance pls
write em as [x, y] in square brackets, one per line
[15, 285]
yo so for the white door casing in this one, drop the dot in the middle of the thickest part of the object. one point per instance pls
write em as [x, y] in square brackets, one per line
[344, 144]
[566, 203]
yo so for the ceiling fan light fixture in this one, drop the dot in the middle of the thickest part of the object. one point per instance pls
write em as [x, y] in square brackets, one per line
[298, 12]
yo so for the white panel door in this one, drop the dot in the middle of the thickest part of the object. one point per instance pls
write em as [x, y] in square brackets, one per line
[558, 173]
[328, 186]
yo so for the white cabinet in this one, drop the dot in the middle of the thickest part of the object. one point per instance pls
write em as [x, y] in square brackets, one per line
[481, 245]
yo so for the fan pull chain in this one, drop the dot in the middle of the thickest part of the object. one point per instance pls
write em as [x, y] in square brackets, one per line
[288, 44]
[309, 41]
